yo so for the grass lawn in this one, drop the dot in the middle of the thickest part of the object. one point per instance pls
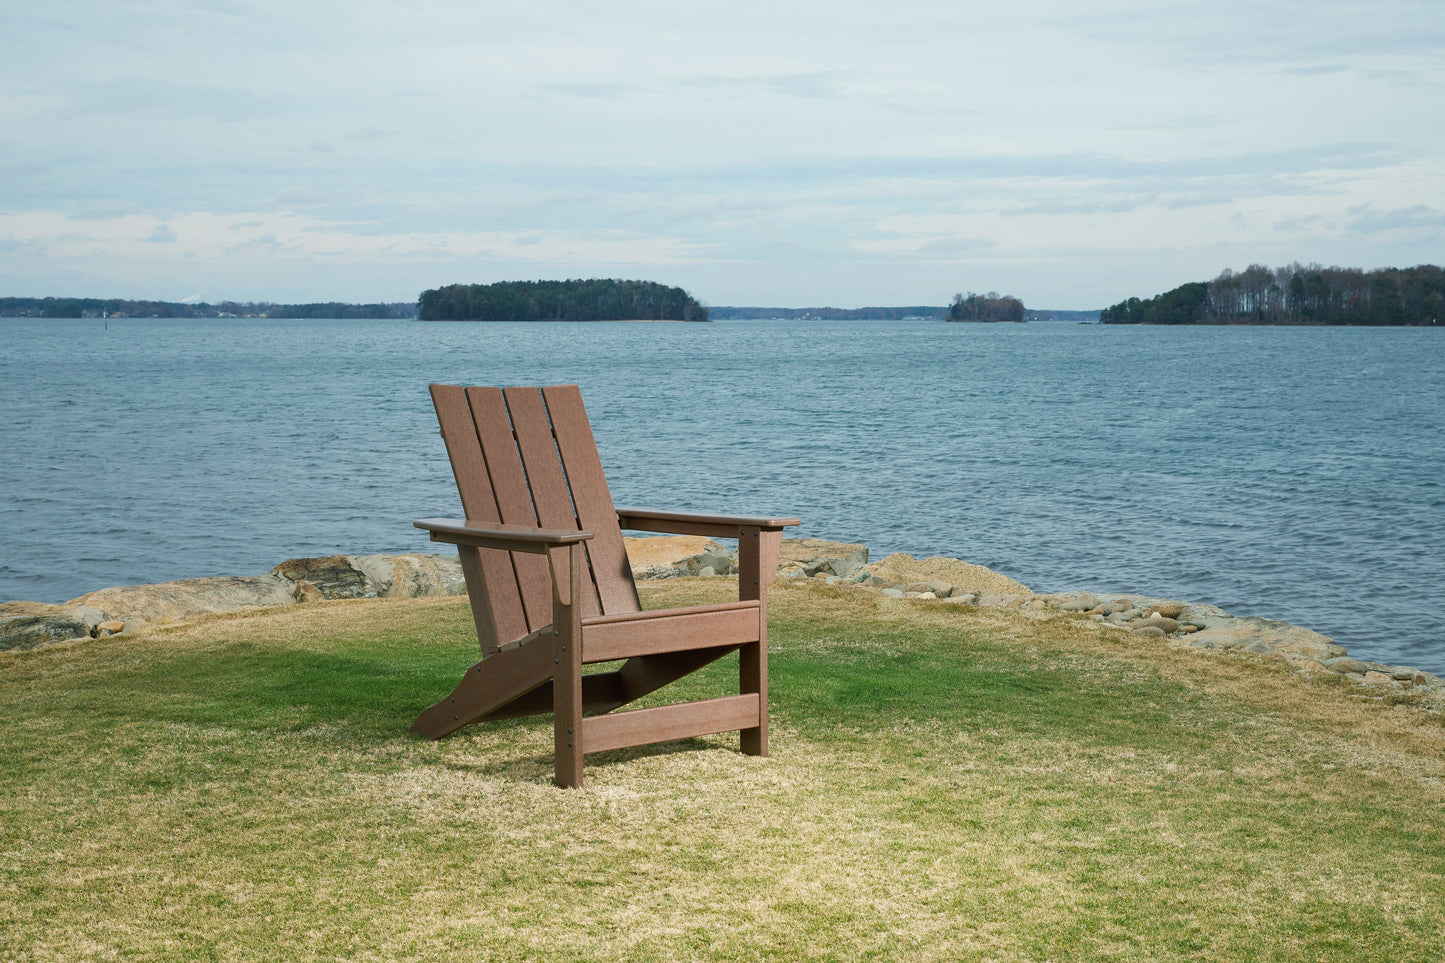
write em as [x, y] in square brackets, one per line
[945, 784]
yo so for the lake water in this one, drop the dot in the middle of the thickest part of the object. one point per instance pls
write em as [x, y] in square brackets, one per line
[1293, 473]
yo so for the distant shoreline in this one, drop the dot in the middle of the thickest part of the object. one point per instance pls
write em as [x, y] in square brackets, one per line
[124, 308]
[564, 321]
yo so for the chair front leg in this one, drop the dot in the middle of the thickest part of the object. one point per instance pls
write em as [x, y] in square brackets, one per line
[758, 551]
[566, 563]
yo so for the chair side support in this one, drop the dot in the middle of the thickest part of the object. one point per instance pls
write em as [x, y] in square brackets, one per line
[759, 545]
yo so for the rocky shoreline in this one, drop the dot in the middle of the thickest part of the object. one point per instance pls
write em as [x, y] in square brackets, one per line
[1206, 628]
[32, 625]
[844, 566]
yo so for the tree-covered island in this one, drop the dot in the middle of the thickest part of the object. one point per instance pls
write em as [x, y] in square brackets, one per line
[986, 307]
[594, 299]
[1296, 294]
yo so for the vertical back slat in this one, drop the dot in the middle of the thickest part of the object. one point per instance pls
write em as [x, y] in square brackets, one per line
[593, 500]
[544, 472]
[514, 502]
[470, 470]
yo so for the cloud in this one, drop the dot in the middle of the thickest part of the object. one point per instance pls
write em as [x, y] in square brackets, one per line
[1098, 202]
[1307, 222]
[594, 91]
[299, 238]
[368, 135]
[12, 245]
[24, 168]
[815, 84]
[1227, 32]
[1315, 70]
[949, 247]
[264, 244]
[1076, 166]
[754, 146]
[171, 100]
[1417, 220]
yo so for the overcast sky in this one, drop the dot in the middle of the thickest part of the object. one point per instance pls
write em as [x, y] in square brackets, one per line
[786, 154]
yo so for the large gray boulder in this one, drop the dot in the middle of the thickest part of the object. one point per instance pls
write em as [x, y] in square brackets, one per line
[334, 576]
[163, 602]
[675, 556]
[375, 576]
[814, 555]
[667, 556]
[1268, 637]
[30, 625]
[412, 575]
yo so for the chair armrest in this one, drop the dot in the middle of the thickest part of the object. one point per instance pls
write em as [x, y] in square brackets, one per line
[511, 538]
[695, 523]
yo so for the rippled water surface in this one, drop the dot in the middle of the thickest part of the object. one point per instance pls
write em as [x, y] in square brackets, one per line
[1290, 473]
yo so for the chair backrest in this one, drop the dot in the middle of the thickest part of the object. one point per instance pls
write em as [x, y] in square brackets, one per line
[526, 456]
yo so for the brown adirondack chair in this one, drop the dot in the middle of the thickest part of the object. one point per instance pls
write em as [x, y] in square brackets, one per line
[551, 588]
